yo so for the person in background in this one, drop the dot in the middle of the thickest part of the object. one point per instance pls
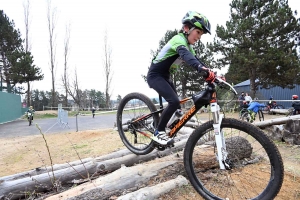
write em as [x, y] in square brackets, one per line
[248, 98]
[93, 111]
[241, 100]
[31, 110]
[296, 104]
[253, 109]
[270, 102]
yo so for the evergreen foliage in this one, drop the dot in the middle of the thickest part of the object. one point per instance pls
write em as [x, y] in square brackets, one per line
[17, 64]
[259, 43]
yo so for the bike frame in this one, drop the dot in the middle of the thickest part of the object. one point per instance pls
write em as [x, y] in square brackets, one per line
[217, 120]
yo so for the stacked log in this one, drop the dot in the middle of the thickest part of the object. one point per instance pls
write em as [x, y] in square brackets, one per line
[288, 132]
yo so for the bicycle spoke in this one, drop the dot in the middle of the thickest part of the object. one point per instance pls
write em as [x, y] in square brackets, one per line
[252, 170]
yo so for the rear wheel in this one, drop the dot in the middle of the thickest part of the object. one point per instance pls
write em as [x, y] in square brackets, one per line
[246, 116]
[278, 106]
[256, 166]
[135, 121]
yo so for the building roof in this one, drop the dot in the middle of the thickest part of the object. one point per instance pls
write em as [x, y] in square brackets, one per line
[244, 83]
[247, 82]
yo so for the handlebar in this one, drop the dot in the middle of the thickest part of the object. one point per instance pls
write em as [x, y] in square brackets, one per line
[219, 81]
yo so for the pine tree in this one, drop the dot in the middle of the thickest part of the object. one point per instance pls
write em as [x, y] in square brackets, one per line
[17, 64]
[10, 41]
[259, 43]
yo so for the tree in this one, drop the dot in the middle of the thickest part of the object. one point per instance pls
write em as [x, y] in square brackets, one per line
[119, 98]
[100, 98]
[66, 55]
[51, 19]
[107, 67]
[10, 44]
[23, 70]
[74, 91]
[258, 43]
[154, 101]
[26, 7]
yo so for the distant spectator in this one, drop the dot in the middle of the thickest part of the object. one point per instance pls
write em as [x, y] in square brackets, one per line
[248, 98]
[93, 111]
[241, 99]
[270, 100]
[296, 104]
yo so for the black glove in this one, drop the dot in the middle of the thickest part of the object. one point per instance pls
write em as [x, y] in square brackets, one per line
[206, 73]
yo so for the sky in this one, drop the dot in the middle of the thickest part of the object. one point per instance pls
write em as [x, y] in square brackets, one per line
[134, 28]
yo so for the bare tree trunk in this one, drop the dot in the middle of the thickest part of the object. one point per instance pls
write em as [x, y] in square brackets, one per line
[74, 91]
[66, 54]
[107, 66]
[51, 17]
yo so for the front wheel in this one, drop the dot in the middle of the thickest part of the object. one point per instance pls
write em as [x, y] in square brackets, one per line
[30, 120]
[261, 115]
[256, 166]
[135, 122]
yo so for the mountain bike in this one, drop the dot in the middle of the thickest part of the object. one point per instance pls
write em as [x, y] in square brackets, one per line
[224, 158]
[246, 116]
[29, 117]
[272, 105]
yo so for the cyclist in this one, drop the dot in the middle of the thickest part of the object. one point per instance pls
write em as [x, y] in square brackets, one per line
[177, 51]
[271, 102]
[30, 110]
[253, 108]
[296, 104]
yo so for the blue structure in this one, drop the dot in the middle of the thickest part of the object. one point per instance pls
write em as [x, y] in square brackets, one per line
[278, 93]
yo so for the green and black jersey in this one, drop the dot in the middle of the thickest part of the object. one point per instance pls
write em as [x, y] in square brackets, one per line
[171, 56]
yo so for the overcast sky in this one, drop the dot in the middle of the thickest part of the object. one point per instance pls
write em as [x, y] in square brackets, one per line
[134, 29]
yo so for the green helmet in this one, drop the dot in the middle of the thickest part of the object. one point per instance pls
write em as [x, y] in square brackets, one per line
[197, 20]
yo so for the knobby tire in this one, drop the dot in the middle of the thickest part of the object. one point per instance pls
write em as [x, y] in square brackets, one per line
[132, 107]
[257, 172]
[261, 115]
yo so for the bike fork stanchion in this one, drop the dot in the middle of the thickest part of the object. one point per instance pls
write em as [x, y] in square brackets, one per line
[219, 137]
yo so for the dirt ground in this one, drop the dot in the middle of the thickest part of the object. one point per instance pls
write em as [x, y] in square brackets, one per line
[26, 153]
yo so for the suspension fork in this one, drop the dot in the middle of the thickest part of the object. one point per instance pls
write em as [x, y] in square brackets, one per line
[219, 135]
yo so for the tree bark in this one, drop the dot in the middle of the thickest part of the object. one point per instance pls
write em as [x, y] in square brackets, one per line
[124, 178]
[14, 187]
[288, 132]
[154, 192]
[276, 121]
[45, 182]
[280, 111]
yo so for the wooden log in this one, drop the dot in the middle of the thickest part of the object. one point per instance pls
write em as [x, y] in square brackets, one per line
[280, 111]
[46, 181]
[154, 192]
[41, 170]
[288, 132]
[15, 189]
[275, 132]
[277, 121]
[124, 178]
